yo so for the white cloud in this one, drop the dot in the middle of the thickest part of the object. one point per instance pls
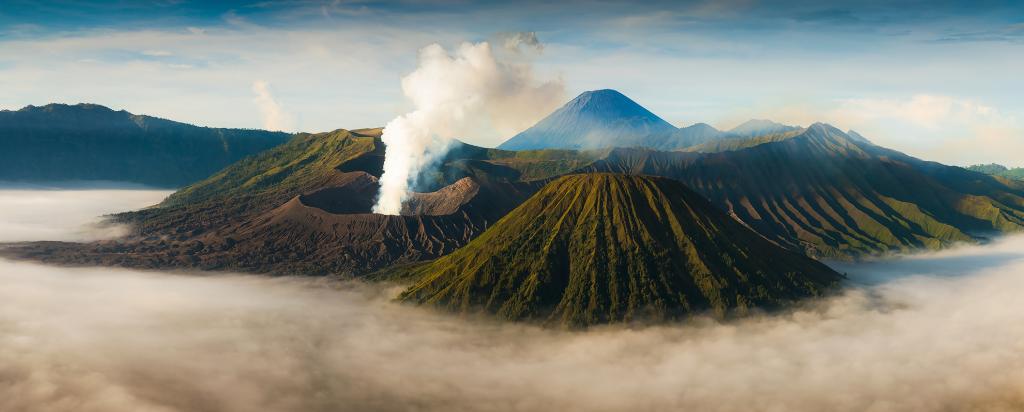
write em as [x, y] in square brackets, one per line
[924, 110]
[105, 339]
[34, 213]
[274, 116]
[937, 127]
[157, 53]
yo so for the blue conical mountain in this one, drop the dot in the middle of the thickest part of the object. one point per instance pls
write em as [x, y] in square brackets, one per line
[594, 119]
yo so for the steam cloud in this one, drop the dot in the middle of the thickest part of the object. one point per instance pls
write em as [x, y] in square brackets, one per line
[274, 116]
[460, 95]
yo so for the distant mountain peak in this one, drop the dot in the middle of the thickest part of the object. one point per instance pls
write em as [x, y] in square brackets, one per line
[702, 126]
[829, 129]
[823, 136]
[50, 107]
[594, 119]
[857, 136]
[611, 104]
[999, 170]
[601, 93]
[761, 123]
[758, 127]
[821, 126]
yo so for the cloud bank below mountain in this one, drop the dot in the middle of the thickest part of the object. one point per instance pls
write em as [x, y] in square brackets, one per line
[118, 340]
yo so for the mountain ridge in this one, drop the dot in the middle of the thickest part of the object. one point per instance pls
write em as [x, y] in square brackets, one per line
[759, 127]
[606, 118]
[834, 196]
[999, 170]
[816, 189]
[60, 142]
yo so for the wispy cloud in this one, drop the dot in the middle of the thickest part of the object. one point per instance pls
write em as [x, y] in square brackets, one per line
[157, 53]
[1012, 33]
[924, 110]
[716, 62]
[829, 16]
[348, 77]
[274, 116]
[944, 128]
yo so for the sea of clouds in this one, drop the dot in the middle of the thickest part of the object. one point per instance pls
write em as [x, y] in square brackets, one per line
[939, 331]
[33, 212]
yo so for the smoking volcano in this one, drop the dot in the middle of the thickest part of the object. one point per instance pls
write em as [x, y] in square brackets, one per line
[454, 95]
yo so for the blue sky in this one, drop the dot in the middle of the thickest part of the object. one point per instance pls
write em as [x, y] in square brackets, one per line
[939, 80]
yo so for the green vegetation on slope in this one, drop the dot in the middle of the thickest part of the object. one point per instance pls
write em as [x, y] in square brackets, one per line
[831, 195]
[306, 162]
[1016, 173]
[258, 183]
[600, 248]
[310, 162]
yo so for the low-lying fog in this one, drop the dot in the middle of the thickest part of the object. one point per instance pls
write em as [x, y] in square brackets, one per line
[934, 332]
[30, 212]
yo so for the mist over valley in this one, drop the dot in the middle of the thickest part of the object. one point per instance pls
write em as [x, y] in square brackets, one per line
[929, 331]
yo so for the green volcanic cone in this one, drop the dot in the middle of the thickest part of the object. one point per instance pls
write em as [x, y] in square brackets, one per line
[605, 248]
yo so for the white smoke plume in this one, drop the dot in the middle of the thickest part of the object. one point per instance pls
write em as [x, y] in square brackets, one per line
[274, 116]
[470, 93]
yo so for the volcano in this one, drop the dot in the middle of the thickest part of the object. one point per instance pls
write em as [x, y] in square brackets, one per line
[594, 119]
[605, 248]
